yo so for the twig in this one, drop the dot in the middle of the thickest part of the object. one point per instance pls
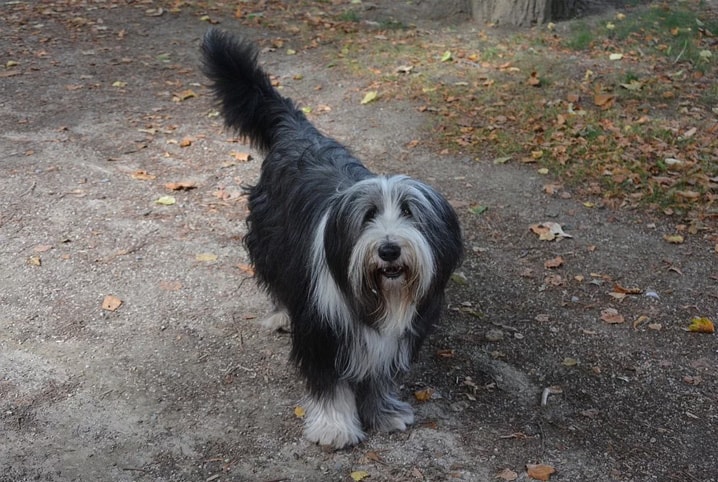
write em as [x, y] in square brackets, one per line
[685, 44]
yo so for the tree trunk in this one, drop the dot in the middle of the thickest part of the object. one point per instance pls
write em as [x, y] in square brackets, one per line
[522, 13]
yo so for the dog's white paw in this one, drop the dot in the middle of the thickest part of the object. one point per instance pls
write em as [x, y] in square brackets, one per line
[333, 420]
[278, 320]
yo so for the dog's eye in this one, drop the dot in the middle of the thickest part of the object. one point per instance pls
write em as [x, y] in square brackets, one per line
[370, 214]
[405, 210]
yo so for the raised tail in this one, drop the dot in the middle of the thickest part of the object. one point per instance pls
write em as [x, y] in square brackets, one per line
[247, 100]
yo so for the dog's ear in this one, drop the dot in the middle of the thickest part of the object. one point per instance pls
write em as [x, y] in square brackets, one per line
[442, 229]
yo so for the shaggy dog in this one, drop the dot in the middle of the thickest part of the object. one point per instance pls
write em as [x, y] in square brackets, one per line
[356, 261]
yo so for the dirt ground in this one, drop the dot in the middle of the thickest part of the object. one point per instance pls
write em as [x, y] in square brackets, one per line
[102, 105]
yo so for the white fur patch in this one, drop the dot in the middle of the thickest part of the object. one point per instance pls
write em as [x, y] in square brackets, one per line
[333, 420]
[278, 320]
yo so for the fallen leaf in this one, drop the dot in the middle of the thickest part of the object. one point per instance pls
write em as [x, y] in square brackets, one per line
[612, 316]
[673, 238]
[246, 268]
[369, 97]
[186, 142]
[423, 395]
[540, 471]
[640, 320]
[34, 261]
[241, 156]
[701, 325]
[507, 474]
[206, 257]
[446, 56]
[633, 85]
[180, 186]
[184, 95]
[548, 231]
[166, 200]
[569, 362]
[604, 101]
[617, 288]
[615, 56]
[170, 285]
[358, 475]
[534, 80]
[143, 176]
[299, 411]
[553, 263]
[111, 303]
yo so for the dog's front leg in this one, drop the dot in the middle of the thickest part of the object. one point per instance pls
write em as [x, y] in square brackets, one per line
[379, 406]
[332, 418]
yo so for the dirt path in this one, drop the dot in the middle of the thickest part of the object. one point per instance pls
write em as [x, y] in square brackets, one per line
[101, 107]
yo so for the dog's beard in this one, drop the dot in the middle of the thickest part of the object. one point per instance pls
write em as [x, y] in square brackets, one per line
[388, 291]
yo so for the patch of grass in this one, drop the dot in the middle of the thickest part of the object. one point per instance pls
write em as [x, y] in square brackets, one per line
[581, 38]
[350, 15]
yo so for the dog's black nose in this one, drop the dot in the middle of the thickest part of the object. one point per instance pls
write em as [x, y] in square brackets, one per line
[389, 252]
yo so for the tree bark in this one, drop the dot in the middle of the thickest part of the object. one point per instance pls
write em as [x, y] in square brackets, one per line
[522, 13]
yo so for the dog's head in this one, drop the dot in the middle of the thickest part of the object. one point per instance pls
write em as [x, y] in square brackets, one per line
[389, 243]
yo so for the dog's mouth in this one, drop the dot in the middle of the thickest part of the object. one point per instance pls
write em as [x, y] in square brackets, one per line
[391, 272]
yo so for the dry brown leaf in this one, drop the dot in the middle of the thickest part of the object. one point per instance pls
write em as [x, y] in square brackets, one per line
[241, 156]
[423, 395]
[507, 474]
[540, 471]
[617, 288]
[548, 231]
[612, 316]
[246, 268]
[111, 303]
[180, 186]
[141, 175]
[534, 80]
[170, 285]
[553, 263]
[186, 142]
[604, 101]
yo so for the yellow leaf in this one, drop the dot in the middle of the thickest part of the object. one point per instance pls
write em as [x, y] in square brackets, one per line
[166, 200]
[369, 97]
[119, 84]
[34, 261]
[111, 303]
[359, 475]
[701, 325]
[446, 56]
[299, 412]
[615, 56]
[673, 238]
[206, 257]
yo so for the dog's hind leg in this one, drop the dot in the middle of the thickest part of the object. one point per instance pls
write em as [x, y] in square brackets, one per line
[332, 419]
[379, 407]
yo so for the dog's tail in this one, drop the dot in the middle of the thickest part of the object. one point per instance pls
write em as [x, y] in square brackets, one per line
[247, 100]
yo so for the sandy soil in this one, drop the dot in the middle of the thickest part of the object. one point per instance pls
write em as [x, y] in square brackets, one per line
[103, 104]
